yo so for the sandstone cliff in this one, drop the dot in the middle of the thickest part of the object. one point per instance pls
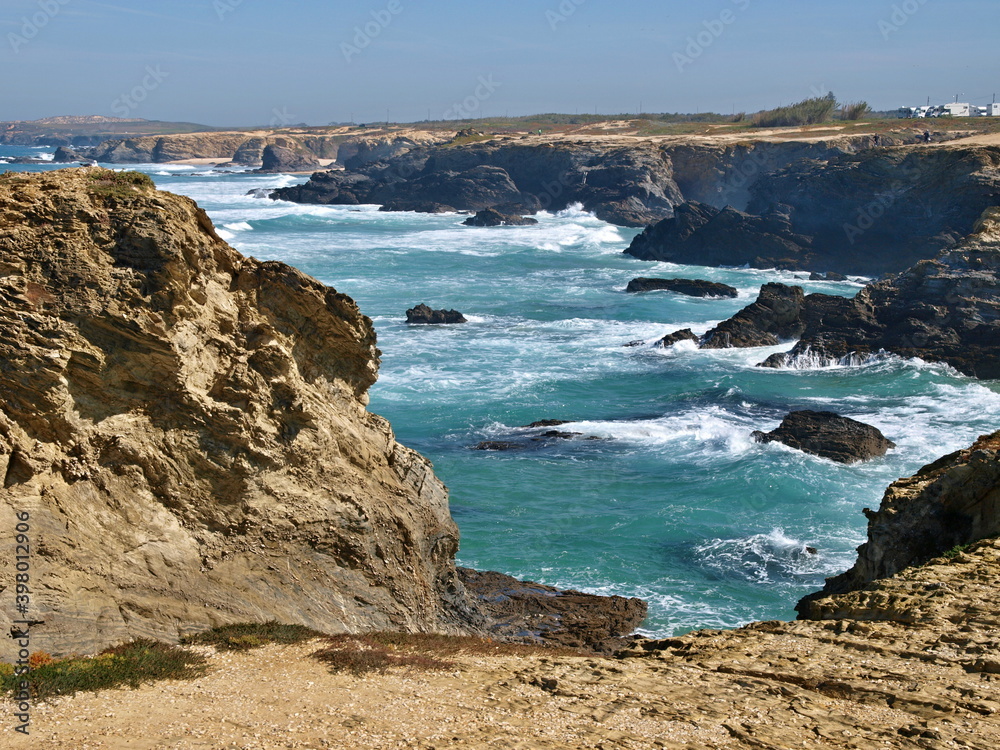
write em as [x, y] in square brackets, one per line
[187, 429]
[238, 147]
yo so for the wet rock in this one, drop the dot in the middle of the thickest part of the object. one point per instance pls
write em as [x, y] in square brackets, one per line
[498, 445]
[672, 338]
[424, 315]
[827, 434]
[490, 217]
[690, 287]
[776, 315]
[532, 612]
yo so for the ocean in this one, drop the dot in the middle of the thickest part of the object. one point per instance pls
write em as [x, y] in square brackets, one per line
[662, 494]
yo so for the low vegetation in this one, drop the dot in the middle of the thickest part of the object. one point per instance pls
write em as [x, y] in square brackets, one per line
[854, 111]
[807, 112]
[128, 665]
[245, 636]
[107, 182]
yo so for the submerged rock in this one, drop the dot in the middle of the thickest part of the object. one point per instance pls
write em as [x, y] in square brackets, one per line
[826, 434]
[490, 217]
[690, 287]
[424, 315]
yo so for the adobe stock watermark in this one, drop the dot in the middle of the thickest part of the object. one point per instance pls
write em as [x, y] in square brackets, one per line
[562, 14]
[364, 35]
[224, 7]
[901, 15]
[128, 102]
[473, 103]
[32, 25]
[713, 29]
[282, 117]
[869, 214]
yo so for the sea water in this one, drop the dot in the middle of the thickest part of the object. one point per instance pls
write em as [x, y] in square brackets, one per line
[662, 495]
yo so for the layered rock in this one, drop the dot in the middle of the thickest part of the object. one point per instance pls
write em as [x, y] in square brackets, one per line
[187, 430]
[775, 316]
[952, 502]
[826, 434]
[690, 287]
[236, 147]
[531, 612]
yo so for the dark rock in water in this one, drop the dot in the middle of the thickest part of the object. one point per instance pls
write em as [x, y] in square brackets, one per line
[498, 445]
[705, 235]
[420, 207]
[556, 434]
[531, 612]
[826, 434]
[549, 423]
[672, 338]
[490, 217]
[66, 156]
[828, 276]
[260, 192]
[941, 310]
[422, 314]
[776, 315]
[284, 159]
[637, 342]
[949, 503]
[690, 287]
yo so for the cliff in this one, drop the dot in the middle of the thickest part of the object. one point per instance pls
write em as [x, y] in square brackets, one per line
[868, 212]
[245, 148]
[908, 662]
[187, 429]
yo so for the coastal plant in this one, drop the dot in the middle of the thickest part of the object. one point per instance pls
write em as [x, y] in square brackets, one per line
[109, 183]
[807, 112]
[248, 635]
[360, 654]
[128, 665]
[854, 111]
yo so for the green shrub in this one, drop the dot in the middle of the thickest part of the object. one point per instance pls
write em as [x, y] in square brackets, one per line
[107, 182]
[807, 112]
[854, 111]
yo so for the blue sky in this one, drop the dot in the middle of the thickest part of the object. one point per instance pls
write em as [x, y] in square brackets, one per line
[246, 62]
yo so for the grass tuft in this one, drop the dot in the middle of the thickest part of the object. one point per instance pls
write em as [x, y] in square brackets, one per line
[108, 183]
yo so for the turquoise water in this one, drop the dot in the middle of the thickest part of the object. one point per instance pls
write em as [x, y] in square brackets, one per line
[674, 503]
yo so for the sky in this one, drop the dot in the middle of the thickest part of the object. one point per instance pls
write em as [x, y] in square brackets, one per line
[265, 62]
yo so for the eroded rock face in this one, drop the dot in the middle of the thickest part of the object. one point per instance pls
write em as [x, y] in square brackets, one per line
[872, 212]
[941, 310]
[952, 502]
[776, 315]
[187, 429]
[826, 434]
[276, 158]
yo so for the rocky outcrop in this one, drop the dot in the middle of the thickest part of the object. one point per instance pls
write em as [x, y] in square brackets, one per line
[277, 158]
[65, 155]
[870, 212]
[690, 287]
[531, 612]
[950, 503]
[423, 314]
[235, 147]
[490, 217]
[362, 150]
[829, 435]
[186, 429]
[700, 234]
[941, 310]
[631, 186]
[775, 316]
[670, 339]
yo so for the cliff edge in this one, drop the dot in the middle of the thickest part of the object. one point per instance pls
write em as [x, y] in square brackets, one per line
[186, 428]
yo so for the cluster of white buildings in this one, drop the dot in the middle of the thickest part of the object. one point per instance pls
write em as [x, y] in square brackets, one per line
[956, 109]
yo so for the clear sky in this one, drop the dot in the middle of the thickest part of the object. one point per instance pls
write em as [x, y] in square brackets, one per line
[255, 62]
